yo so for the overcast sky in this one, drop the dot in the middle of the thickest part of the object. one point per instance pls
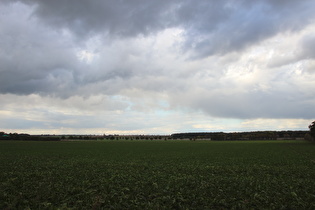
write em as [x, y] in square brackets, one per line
[156, 67]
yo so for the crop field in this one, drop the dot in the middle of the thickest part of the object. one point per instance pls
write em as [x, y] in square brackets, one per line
[157, 175]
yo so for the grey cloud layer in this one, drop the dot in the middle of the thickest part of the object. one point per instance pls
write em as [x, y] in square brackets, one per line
[117, 18]
[211, 26]
[40, 41]
[33, 58]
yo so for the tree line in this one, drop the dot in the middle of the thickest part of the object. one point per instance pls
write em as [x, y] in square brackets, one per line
[215, 136]
[237, 136]
[26, 137]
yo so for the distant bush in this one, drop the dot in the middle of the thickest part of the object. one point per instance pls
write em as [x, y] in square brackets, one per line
[312, 130]
[308, 137]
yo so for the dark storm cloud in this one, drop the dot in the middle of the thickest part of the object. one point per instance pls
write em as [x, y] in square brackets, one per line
[225, 26]
[211, 27]
[117, 18]
[33, 59]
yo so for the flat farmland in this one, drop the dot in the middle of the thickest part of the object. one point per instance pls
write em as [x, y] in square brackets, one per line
[157, 175]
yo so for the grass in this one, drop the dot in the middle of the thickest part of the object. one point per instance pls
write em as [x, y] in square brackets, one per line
[157, 175]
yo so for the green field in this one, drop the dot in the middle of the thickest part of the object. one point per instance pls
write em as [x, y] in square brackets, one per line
[157, 175]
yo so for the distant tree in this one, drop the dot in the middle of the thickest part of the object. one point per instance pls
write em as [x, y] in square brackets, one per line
[312, 129]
